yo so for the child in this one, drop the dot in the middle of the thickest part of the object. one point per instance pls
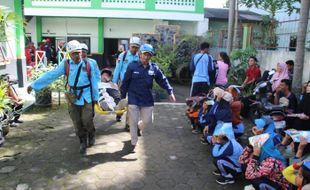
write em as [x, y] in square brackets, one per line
[264, 166]
[193, 111]
[236, 106]
[298, 174]
[226, 152]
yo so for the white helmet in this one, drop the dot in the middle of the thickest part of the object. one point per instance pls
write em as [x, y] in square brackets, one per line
[135, 41]
[73, 46]
[83, 47]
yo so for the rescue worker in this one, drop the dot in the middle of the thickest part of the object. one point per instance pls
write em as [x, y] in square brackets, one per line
[124, 60]
[85, 51]
[82, 93]
[138, 82]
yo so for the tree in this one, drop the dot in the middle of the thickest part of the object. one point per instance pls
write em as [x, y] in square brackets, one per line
[300, 48]
[272, 5]
[231, 25]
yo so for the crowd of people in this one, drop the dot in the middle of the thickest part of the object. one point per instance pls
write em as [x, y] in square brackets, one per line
[276, 156]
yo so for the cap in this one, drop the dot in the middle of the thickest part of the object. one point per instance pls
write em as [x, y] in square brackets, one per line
[147, 48]
[135, 41]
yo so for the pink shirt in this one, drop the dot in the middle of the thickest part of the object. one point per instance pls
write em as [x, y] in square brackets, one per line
[222, 73]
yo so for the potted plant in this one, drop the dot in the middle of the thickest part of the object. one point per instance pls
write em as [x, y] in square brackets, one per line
[44, 96]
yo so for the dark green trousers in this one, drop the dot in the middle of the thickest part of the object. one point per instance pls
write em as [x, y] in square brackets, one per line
[82, 118]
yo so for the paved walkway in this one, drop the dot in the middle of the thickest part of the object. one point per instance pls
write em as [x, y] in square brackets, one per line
[42, 153]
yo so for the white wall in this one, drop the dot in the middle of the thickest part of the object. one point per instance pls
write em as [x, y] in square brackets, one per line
[269, 60]
[11, 68]
[124, 28]
[66, 27]
[187, 27]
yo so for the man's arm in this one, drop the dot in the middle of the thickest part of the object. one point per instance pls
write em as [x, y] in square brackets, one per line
[118, 67]
[163, 82]
[192, 65]
[49, 77]
[94, 81]
[126, 82]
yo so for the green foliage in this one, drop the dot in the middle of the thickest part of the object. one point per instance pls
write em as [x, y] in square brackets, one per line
[272, 5]
[57, 85]
[238, 68]
[164, 57]
[8, 18]
[4, 100]
[269, 37]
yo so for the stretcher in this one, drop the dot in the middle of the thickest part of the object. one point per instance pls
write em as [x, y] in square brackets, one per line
[103, 112]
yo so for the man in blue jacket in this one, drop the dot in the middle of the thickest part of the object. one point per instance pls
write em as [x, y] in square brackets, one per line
[138, 82]
[82, 93]
[201, 67]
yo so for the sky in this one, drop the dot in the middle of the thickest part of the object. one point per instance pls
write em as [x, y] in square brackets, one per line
[214, 3]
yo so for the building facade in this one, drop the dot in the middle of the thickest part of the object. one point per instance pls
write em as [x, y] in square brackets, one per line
[105, 24]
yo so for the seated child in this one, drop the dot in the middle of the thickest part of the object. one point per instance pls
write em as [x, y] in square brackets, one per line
[264, 166]
[109, 95]
[192, 112]
[298, 175]
[226, 152]
[236, 106]
[219, 114]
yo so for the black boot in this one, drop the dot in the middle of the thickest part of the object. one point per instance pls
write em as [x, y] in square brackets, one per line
[91, 139]
[83, 145]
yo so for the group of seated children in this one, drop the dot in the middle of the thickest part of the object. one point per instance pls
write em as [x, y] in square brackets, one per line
[272, 160]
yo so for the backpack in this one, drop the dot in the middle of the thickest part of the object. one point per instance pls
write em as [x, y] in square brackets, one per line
[211, 69]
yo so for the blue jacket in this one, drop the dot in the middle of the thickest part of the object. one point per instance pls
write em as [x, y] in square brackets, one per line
[220, 111]
[138, 82]
[231, 150]
[200, 67]
[121, 65]
[50, 76]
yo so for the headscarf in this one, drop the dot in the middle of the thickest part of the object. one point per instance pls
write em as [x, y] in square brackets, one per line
[269, 150]
[277, 77]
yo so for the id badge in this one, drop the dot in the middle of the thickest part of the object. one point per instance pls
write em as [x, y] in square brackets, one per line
[151, 72]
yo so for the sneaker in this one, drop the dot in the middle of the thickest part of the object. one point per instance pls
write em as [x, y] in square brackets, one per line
[216, 172]
[249, 187]
[122, 104]
[195, 131]
[223, 181]
[18, 121]
[118, 118]
[203, 141]
[13, 124]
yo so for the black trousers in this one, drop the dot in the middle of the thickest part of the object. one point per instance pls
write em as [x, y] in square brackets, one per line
[199, 88]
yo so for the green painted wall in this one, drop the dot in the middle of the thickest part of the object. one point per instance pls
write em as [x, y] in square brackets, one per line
[19, 29]
[100, 35]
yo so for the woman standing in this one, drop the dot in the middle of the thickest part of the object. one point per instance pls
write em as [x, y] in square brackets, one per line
[223, 65]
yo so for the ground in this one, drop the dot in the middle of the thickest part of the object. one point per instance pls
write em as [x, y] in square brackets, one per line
[43, 153]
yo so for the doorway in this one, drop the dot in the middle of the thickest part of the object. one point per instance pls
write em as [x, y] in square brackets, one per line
[111, 50]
